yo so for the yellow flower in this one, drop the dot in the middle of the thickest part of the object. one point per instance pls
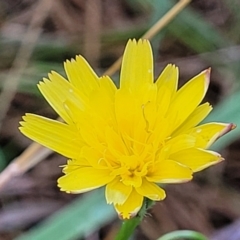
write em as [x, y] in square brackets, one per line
[130, 138]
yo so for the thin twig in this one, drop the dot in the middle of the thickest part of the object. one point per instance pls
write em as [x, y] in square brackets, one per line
[35, 152]
[157, 27]
[20, 62]
[21, 164]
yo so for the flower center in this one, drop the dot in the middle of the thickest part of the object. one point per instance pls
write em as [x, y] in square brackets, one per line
[131, 170]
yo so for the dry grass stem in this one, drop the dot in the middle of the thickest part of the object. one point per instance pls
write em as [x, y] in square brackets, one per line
[29, 158]
[157, 27]
[24, 53]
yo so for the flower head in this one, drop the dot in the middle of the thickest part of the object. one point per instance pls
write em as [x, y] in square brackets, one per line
[128, 139]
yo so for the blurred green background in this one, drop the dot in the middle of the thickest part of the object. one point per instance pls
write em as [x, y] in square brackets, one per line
[37, 36]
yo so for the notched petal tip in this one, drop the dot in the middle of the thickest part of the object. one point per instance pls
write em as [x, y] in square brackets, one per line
[67, 191]
[73, 60]
[140, 41]
[22, 123]
[24, 118]
[51, 73]
[131, 42]
[50, 76]
[172, 65]
[40, 84]
[66, 62]
[62, 189]
[21, 128]
[127, 216]
[69, 62]
[44, 81]
[144, 42]
[79, 57]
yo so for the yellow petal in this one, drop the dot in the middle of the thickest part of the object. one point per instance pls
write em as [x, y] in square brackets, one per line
[151, 191]
[107, 85]
[131, 206]
[180, 142]
[102, 101]
[194, 118]
[117, 192]
[57, 91]
[89, 134]
[196, 159]
[74, 112]
[137, 65]
[84, 179]
[188, 98]
[94, 158]
[74, 164]
[115, 143]
[81, 75]
[55, 135]
[127, 114]
[148, 96]
[134, 112]
[99, 113]
[167, 85]
[207, 134]
[168, 78]
[160, 133]
[169, 171]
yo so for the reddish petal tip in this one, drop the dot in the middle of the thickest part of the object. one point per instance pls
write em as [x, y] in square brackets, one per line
[209, 70]
[229, 127]
[207, 74]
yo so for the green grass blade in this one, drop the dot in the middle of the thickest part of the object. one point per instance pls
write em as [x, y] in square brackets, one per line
[188, 26]
[80, 218]
[191, 28]
[227, 111]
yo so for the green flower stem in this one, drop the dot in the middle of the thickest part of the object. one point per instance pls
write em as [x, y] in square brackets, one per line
[128, 226]
[186, 234]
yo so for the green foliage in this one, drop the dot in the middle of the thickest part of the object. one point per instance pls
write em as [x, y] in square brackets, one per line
[80, 218]
[227, 111]
[183, 234]
[189, 26]
[2, 160]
